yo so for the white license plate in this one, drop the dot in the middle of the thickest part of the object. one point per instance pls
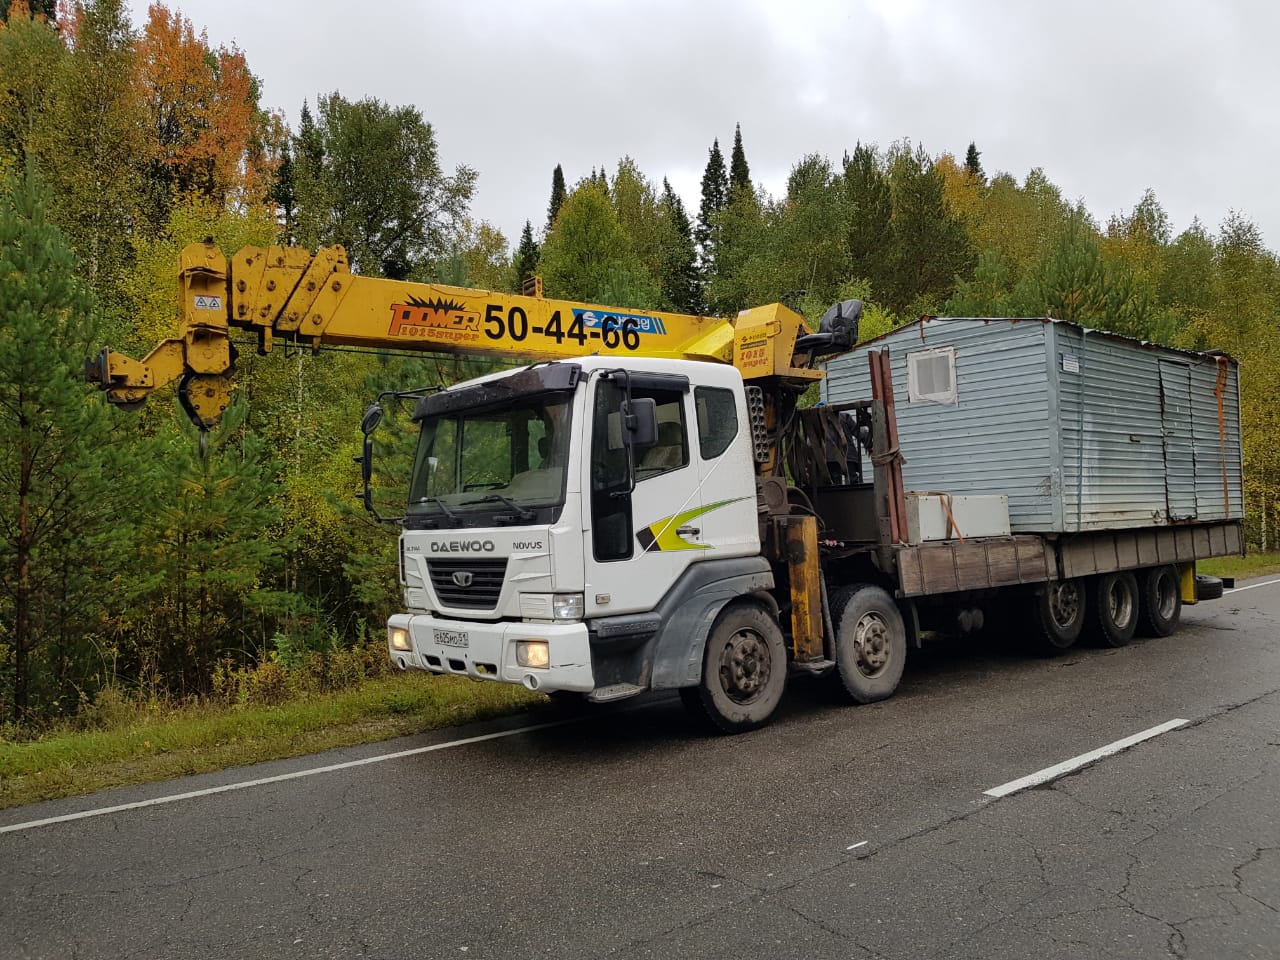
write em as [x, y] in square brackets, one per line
[452, 638]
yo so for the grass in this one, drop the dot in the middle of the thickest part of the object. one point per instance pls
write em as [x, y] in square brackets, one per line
[157, 744]
[1254, 565]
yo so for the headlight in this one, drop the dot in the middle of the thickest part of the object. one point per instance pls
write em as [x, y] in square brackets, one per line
[533, 653]
[567, 606]
[399, 638]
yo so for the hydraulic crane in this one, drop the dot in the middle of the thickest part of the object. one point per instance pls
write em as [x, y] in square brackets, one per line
[614, 520]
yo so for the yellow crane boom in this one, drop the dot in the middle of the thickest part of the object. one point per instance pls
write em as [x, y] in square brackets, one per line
[289, 293]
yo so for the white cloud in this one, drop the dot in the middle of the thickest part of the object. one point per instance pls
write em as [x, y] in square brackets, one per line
[1109, 98]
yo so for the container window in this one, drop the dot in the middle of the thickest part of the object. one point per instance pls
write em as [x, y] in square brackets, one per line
[931, 376]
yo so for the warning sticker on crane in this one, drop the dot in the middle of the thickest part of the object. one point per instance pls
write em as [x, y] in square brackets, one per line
[208, 303]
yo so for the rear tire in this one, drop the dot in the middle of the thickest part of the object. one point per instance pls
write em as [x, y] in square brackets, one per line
[1058, 610]
[870, 641]
[744, 671]
[1160, 601]
[1115, 607]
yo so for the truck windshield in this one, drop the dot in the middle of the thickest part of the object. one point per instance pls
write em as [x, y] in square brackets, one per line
[490, 466]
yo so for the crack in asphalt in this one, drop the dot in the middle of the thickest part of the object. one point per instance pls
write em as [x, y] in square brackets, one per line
[1241, 881]
[874, 954]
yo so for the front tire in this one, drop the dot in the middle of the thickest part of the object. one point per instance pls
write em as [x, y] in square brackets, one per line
[1058, 610]
[744, 671]
[1115, 608]
[870, 641]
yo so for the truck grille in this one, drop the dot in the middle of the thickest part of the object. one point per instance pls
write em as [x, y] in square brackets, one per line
[473, 584]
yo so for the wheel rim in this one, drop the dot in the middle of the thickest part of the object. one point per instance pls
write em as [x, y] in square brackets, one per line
[745, 666]
[1064, 603]
[871, 650]
[1166, 596]
[1120, 603]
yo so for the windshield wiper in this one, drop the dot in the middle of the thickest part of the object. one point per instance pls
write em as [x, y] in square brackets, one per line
[522, 513]
[439, 503]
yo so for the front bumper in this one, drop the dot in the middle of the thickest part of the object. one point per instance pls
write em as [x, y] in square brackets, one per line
[487, 651]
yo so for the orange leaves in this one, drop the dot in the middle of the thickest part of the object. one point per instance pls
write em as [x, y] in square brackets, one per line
[205, 125]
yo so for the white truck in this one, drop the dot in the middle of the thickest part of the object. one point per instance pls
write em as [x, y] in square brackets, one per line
[648, 507]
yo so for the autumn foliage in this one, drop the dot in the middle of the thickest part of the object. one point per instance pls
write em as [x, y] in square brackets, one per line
[206, 131]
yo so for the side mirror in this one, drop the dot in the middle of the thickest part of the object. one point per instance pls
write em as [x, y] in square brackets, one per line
[640, 419]
[368, 424]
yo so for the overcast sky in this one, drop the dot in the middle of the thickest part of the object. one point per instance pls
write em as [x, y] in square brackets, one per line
[1110, 97]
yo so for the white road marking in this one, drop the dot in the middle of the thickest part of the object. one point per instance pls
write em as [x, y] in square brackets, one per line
[860, 843]
[1265, 583]
[296, 775]
[1066, 766]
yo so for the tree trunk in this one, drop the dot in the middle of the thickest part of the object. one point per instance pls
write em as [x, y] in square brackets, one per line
[22, 594]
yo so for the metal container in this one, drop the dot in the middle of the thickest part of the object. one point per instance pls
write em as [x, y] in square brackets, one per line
[941, 516]
[1080, 429]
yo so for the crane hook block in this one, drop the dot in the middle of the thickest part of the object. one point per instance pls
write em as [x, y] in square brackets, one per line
[205, 397]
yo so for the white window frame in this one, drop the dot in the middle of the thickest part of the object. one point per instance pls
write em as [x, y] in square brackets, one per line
[915, 393]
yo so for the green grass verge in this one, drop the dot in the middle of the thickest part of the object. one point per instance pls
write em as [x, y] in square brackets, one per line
[160, 744]
[1254, 565]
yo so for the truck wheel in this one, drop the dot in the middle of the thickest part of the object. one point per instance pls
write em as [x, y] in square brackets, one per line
[871, 641]
[1115, 608]
[1058, 608]
[1161, 601]
[744, 671]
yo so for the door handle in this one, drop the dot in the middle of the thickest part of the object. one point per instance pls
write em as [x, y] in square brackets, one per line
[688, 531]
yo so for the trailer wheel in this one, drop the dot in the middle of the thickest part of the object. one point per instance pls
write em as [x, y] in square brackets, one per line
[1115, 608]
[744, 670]
[870, 641]
[1058, 608]
[1161, 601]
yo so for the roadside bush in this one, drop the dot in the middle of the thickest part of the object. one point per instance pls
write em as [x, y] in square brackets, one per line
[299, 667]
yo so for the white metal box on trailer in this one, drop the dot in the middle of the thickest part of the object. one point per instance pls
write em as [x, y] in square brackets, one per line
[1080, 429]
[941, 516]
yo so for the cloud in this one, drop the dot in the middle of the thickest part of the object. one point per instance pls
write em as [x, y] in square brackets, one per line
[1109, 98]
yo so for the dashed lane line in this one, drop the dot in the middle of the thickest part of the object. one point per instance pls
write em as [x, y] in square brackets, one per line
[1084, 759]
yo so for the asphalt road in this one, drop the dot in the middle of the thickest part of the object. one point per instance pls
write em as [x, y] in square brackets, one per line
[838, 831]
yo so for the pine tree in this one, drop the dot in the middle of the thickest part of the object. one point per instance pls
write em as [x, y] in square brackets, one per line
[56, 488]
[212, 539]
[557, 196]
[973, 162]
[929, 247]
[526, 256]
[680, 284]
[715, 197]
[284, 193]
[870, 213]
[739, 172]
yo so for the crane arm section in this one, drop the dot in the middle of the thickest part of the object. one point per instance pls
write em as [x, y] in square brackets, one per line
[287, 293]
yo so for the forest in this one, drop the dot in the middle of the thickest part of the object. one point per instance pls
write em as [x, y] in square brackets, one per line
[129, 560]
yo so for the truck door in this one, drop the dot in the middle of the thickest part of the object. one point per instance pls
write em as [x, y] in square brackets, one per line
[633, 556]
[1179, 449]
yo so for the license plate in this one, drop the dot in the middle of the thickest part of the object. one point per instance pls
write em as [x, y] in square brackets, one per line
[452, 638]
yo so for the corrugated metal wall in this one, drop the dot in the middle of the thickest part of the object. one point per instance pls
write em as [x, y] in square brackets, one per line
[996, 438]
[1216, 500]
[1081, 429]
[1116, 477]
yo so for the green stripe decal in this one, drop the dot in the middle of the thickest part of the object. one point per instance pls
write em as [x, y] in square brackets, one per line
[662, 535]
